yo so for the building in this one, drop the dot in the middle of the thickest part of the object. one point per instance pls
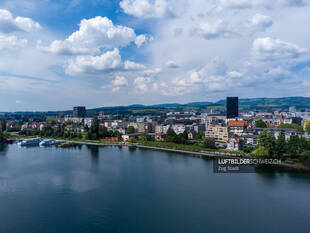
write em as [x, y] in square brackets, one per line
[276, 132]
[234, 143]
[218, 132]
[292, 109]
[126, 137]
[237, 127]
[249, 139]
[79, 111]
[178, 128]
[232, 107]
[144, 127]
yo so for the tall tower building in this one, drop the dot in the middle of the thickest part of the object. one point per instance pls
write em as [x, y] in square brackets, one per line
[79, 111]
[232, 107]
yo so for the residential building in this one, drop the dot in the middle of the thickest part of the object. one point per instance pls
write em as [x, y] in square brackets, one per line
[236, 127]
[276, 132]
[145, 127]
[249, 139]
[234, 143]
[219, 132]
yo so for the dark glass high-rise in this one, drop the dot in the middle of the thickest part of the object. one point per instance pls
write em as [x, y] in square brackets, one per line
[232, 107]
[79, 111]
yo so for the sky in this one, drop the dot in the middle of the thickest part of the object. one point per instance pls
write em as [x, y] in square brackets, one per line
[56, 54]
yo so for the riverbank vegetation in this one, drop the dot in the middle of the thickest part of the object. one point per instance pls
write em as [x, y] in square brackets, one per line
[296, 148]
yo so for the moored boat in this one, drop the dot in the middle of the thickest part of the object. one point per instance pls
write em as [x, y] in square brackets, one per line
[48, 142]
[30, 142]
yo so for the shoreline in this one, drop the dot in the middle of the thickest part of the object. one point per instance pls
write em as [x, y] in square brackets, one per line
[206, 154]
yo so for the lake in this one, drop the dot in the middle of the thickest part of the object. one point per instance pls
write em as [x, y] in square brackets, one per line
[129, 190]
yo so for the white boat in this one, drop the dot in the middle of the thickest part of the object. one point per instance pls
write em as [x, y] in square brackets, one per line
[48, 142]
[30, 142]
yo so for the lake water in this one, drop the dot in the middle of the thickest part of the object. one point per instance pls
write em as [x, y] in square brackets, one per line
[127, 190]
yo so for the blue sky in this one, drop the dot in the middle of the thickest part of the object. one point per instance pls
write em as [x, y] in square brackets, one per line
[57, 54]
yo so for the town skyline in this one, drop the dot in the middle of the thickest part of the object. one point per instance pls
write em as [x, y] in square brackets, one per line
[58, 54]
[285, 102]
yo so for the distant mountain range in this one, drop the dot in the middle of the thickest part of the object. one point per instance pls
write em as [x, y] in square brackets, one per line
[284, 102]
[244, 104]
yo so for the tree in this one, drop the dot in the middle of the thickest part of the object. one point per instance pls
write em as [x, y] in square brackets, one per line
[200, 136]
[280, 144]
[182, 138]
[261, 151]
[209, 143]
[130, 129]
[2, 137]
[93, 133]
[268, 141]
[171, 136]
[3, 124]
[292, 126]
[260, 124]
[86, 128]
[296, 145]
[308, 128]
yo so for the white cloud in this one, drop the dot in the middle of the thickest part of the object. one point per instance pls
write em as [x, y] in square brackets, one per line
[260, 22]
[106, 62]
[120, 81]
[234, 74]
[212, 30]
[129, 65]
[94, 34]
[10, 24]
[90, 64]
[152, 71]
[144, 8]
[275, 49]
[153, 8]
[140, 40]
[11, 42]
[18, 101]
[141, 84]
[172, 64]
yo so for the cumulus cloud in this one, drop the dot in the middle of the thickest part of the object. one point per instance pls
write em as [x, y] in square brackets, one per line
[275, 49]
[172, 64]
[10, 24]
[140, 40]
[93, 34]
[119, 82]
[11, 42]
[144, 8]
[213, 30]
[106, 62]
[260, 22]
[153, 71]
[153, 8]
[130, 65]
[141, 84]
[90, 64]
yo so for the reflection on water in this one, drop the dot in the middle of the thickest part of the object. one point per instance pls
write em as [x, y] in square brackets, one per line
[3, 149]
[132, 149]
[106, 189]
